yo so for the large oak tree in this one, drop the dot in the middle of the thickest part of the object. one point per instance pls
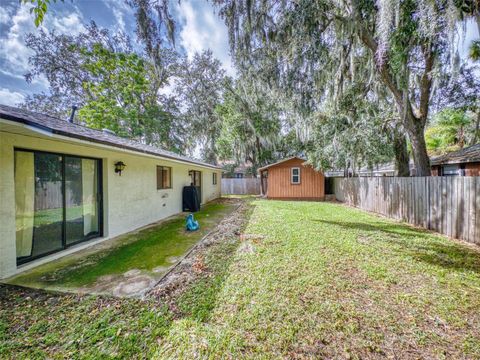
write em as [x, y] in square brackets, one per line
[310, 49]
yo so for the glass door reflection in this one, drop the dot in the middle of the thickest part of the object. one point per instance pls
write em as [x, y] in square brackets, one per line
[57, 201]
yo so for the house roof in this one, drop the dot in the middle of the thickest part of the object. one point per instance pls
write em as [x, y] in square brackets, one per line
[376, 170]
[65, 128]
[279, 162]
[466, 155]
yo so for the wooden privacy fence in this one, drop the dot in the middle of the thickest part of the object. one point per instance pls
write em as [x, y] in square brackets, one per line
[49, 194]
[245, 186]
[448, 205]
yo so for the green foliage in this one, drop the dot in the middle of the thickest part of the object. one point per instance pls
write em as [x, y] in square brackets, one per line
[113, 86]
[403, 37]
[340, 142]
[39, 9]
[315, 52]
[450, 130]
[229, 169]
[198, 88]
[474, 51]
[250, 125]
[358, 130]
[116, 92]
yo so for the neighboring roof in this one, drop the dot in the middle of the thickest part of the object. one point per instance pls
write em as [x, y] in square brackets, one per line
[466, 155]
[379, 168]
[281, 161]
[383, 168]
[65, 128]
[241, 168]
[376, 170]
[335, 173]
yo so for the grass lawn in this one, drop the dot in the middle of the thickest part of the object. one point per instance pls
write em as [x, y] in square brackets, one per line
[153, 247]
[307, 280]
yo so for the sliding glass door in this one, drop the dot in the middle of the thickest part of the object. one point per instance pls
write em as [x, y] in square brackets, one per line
[57, 202]
[81, 199]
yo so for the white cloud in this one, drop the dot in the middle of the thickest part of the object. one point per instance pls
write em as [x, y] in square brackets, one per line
[70, 24]
[13, 51]
[9, 97]
[119, 18]
[203, 30]
[12, 46]
[120, 10]
[5, 15]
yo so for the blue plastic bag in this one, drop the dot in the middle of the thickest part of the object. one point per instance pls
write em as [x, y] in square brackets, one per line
[191, 223]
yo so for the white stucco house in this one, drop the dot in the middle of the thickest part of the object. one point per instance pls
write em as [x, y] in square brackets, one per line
[64, 187]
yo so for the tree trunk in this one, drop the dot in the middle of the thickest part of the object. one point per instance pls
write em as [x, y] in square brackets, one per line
[416, 130]
[414, 123]
[461, 136]
[477, 128]
[402, 160]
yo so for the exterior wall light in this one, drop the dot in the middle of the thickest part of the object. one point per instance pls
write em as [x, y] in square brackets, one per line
[119, 167]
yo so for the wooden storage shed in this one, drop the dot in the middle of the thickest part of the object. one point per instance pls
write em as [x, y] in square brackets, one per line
[292, 179]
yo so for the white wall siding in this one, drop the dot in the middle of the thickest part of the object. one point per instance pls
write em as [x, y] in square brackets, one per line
[130, 201]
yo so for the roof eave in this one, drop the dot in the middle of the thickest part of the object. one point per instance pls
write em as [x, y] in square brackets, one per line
[33, 124]
[280, 162]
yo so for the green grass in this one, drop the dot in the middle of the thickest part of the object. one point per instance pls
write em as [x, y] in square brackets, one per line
[50, 216]
[311, 280]
[144, 250]
[327, 281]
[48, 326]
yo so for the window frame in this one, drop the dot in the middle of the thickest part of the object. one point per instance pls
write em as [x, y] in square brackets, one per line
[162, 167]
[292, 175]
[214, 178]
[452, 170]
[100, 206]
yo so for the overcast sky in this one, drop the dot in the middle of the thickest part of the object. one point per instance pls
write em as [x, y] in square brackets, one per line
[200, 29]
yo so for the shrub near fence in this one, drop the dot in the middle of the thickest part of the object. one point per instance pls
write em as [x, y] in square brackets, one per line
[448, 205]
[244, 186]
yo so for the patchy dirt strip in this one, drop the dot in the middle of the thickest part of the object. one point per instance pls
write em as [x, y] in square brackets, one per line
[192, 265]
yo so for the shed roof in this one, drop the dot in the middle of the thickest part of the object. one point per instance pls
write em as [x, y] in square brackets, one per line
[465, 155]
[281, 161]
[65, 128]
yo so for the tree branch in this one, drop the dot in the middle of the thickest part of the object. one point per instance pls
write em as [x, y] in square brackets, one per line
[426, 81]
[383, 69]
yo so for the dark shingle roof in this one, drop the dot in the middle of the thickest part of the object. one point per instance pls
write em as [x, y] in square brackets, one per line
[65, 128]
[466, 155]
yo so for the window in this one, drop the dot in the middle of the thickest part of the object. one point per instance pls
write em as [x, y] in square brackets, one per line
[58, 202]
[295, 175]
[214, 178]
[451, 170]
[164, 177]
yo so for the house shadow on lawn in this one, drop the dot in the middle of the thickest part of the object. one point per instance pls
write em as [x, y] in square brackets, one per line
[38, 323]
[130, 264]
[419, 244]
